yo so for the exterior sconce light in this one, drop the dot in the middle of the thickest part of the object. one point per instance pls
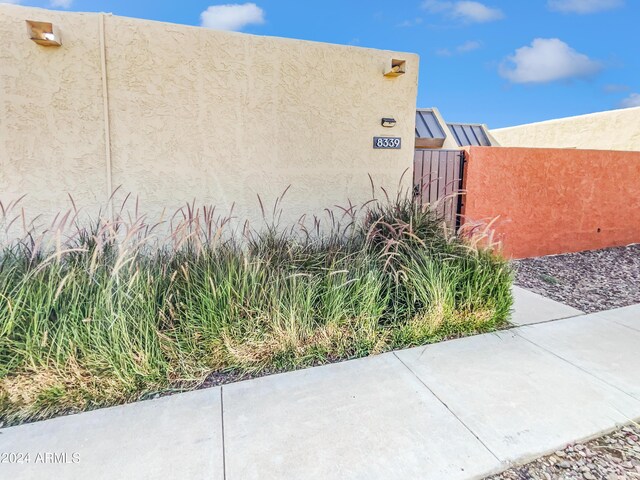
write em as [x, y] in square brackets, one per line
[44, 33]
[398, 67]
[389, 122]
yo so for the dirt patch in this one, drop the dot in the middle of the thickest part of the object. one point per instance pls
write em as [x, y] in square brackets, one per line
[589, 281]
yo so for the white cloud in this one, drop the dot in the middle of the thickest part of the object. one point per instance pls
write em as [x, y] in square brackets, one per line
[467, 11]
[437, 6]
[410, 23]
[232, 16]
[547, 60]
[631, 101]
[466, 47]
[469, 46]
[583, 6]
[616, 88]
[14, 2]
[476, 12]
[61, 3]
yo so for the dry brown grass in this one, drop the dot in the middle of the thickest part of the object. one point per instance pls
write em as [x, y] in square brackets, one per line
[38, 392]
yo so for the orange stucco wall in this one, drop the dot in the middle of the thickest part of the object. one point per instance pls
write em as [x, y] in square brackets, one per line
[550, 201]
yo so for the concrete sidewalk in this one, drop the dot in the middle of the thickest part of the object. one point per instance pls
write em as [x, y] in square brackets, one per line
[455, 410]
[530, 307]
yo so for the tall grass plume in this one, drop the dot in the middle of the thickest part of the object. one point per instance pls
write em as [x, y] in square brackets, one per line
[113, 311]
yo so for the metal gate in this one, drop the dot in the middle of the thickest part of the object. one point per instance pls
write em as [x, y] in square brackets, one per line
[437, 180]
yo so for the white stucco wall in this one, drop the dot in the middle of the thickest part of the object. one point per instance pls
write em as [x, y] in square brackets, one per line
[214, 116]
[612, 130]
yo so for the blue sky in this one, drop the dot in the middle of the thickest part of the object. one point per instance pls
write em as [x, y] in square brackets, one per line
[500, 62]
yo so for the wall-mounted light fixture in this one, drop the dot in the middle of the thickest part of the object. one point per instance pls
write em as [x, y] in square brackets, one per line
[397, 68]
[44, 33]
[389, 122]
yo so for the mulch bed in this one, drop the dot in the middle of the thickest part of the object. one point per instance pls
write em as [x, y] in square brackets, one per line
[589, 281]
[612, 457]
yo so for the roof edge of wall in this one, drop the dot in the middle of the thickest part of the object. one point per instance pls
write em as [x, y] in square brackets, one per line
[8, 7]
[564, 119]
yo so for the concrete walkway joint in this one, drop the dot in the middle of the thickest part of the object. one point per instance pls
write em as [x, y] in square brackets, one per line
[447, 407]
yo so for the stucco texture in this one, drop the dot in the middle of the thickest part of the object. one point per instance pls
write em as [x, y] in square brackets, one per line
[51, 124]
[612, 130]
[196, 114]
[551, 201]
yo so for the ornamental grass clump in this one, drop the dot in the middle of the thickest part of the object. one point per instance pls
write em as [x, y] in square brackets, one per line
[113, 312]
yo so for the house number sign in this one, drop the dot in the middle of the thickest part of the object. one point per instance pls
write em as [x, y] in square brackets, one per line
[387, 142]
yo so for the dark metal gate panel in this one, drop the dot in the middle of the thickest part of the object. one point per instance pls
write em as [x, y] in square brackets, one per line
[437, 180]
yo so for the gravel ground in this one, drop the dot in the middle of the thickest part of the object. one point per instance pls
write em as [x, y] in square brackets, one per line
[612, 457]
[589, 281]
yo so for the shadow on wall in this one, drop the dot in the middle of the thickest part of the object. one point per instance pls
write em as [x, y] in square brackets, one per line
[125, 218]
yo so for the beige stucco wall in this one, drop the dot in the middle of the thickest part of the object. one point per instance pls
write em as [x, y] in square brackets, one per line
[214, 116]
[51, 124]
[612, 130]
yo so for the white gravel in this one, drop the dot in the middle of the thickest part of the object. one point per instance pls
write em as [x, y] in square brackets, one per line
[589, 281]
[612, 457]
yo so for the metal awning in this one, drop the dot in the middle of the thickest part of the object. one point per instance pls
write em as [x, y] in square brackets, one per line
[429, 132]
[467, 134]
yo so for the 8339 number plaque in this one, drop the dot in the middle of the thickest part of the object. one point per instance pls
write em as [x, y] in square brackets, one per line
[387, 142]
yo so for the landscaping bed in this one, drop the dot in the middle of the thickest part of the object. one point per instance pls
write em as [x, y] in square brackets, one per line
[110, 314]
[611, 457]
[589, 281]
